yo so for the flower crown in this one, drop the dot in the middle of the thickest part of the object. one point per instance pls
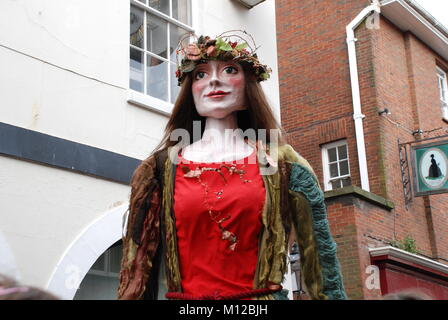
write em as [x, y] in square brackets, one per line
[220, 48]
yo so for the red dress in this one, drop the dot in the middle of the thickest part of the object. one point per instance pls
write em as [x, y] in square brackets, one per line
[210, 264]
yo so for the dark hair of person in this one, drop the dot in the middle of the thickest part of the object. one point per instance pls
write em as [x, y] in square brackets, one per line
[407, 295]
[12, 290]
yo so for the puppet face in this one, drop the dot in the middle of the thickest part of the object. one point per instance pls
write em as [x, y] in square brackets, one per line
[218, 88]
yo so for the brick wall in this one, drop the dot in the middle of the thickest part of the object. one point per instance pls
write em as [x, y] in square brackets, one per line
[397, 72]
[314, 79]
[405, 78]
[343, 227]
[396, 86]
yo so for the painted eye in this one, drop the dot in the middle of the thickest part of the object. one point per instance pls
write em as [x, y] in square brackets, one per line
[199, 75]
[230, 70]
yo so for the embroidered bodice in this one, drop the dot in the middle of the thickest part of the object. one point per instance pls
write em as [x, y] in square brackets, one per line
[217, 209]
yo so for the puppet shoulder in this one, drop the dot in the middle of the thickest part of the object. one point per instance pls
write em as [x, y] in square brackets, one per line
[287, 153]
[145, 172]
[149, 169]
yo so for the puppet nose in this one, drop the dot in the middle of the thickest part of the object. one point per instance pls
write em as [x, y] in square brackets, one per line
[214, 82]
[214, 79]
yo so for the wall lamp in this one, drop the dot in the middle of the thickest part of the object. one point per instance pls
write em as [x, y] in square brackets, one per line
[384, 111]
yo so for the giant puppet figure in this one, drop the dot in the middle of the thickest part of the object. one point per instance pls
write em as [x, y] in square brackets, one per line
[210, 217]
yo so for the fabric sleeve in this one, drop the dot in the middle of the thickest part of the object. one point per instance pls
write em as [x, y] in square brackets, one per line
[142, 232]
[319, 263]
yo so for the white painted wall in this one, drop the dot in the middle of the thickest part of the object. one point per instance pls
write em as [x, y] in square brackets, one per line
[43, 209]
[73, 67]
[72, 76]
[8, 264]
[64, 72]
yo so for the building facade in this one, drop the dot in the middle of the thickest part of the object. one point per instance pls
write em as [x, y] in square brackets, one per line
[361, 84]
[87, 87]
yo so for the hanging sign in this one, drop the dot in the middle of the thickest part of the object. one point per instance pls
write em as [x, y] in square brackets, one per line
[430, 167]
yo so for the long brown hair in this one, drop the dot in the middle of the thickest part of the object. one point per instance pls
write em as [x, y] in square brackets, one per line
[258, 114]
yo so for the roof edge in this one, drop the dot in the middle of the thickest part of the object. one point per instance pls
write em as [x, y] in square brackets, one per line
[436, 23]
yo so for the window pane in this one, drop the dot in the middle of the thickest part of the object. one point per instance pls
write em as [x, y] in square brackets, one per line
[442, 93]
[142, 1]
[442, 82]
[157, 77]
[445, 111]
[157, 35]
[176, 33]
[136, 70]
[95, 287]
[336, 184]
[136, 34]
[100, 264]
[346, 182]
[116, 253]
[342, 152]
[173, 80]
[181, 11]
[343, 166]
[160, 5]
[332, 154]
[334, 170]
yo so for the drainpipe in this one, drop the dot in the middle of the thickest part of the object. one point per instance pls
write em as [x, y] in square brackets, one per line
[357, 114]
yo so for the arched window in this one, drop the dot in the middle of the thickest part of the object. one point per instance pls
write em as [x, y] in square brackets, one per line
[101, 281]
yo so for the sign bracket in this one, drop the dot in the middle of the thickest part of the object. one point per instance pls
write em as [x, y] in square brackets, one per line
[405, 173]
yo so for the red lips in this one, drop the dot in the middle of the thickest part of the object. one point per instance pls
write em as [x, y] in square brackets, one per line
[217, 93]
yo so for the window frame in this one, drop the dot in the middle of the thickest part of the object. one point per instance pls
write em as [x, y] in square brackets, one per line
[326, 163]
[143, 99]
[106, 257]
[442, 77]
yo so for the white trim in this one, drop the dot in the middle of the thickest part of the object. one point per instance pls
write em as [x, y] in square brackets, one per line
[169, 75]
[414, 258]
[146, 101]
[444, 110]
[82, 253]
[145, 51]
[442, 74]
[162, 15]
[435, 39]
[356, 95]
[423, 20]
[326, 162]
[386, 2]
[104, 274]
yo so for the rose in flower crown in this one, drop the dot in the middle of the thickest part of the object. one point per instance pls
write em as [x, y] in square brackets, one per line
[220, 48]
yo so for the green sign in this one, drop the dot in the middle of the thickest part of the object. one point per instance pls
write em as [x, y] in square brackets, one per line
[430, 164]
